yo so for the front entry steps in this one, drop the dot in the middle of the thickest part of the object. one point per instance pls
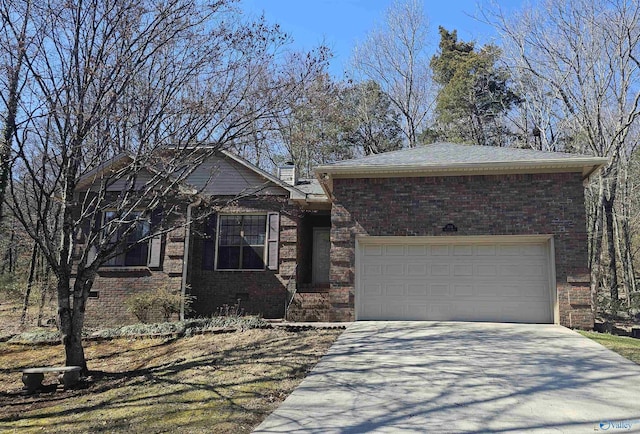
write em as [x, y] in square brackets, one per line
[310, 303]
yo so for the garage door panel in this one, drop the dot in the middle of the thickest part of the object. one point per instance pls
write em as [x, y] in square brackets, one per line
[440, 270]
[463, 250]
[486, 270]
[417, 289]
[417, 250]
[510, 270]
[532, 270]
[390, 311]
[439, 290]
[536, 312]
[489, 250]
[484, 290]
[370, 289]
[417, 269]
[510, 290]
[533, 291]
[372, 250]
[372, 270]
[371, 310]
[394, 290]
[394, 250]
[439, 250]
[509, 250]
[460, 270]
[418, 310]
[393, 270]
[457, 281]
[535, 250]
[463, 290]
[439, 311]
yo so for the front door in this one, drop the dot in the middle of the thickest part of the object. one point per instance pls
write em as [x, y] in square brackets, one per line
[320, 258]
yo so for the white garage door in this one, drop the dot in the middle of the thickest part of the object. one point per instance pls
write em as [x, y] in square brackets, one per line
[500, 281]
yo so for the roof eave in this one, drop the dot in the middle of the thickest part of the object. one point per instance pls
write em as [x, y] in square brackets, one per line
[87, 180]
[587, 166]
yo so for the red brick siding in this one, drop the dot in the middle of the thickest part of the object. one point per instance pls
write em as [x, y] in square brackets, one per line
[477, 205]
[262, 292]
[115, 284]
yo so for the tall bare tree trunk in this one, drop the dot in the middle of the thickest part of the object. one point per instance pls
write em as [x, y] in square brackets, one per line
[45, 276]
[623, 236]
[609, 214]
[595, 224]
[32, 273]
[13, 96]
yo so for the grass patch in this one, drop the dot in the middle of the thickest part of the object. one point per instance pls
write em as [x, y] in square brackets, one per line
[206, 383]
[625, 346]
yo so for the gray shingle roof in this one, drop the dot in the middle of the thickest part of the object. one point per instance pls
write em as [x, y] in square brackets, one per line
[310, 186]
[443, 154]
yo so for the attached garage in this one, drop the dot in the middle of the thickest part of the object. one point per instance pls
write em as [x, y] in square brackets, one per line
[465, 233]
[501, 279]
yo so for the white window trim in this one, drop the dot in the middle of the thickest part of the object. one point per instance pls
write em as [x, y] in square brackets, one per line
[265, 251]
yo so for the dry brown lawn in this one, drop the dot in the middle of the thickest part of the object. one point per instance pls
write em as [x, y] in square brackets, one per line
[207, 383]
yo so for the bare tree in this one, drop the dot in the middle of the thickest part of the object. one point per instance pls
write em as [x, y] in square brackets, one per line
[122, 91]
[395, 56]
[15, 17]
[578, 66]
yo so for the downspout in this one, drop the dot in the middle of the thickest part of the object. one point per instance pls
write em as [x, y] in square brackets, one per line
[185, 260]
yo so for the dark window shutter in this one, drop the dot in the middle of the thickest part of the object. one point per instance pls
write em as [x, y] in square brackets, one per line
[155, 244]
[155, 248]
[209, 243]
[97, 224]
[273, 235]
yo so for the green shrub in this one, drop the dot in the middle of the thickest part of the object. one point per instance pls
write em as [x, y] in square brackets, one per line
[162, 300]
[141, 305]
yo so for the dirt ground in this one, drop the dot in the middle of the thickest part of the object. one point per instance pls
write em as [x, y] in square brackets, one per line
[208, 383]
[226, 382]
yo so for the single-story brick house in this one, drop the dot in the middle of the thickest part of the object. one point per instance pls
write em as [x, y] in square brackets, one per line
[440, 232]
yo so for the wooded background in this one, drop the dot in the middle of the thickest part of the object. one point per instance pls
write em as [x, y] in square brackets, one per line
[80, 83]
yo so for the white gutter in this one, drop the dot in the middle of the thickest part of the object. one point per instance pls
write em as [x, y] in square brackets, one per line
[185, 257]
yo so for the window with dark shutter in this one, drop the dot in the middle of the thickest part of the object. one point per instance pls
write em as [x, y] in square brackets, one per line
[241, 242]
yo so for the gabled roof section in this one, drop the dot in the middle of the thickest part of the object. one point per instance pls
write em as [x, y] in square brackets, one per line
[110, 167]
[295, 192]
[446, 159]
[103, 170]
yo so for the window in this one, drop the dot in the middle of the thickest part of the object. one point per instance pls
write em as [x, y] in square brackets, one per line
[135, 253]
[241, 242]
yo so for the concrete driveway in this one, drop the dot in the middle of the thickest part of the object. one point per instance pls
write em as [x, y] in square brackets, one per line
[463, 377]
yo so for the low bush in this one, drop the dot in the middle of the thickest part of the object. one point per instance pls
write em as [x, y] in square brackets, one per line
[162, 300]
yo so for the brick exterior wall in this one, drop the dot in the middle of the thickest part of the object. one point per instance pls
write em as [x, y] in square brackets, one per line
[523, 204]
[260, 292]
[114, 285]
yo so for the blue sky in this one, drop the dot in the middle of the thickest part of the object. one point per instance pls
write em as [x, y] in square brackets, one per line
[342, 23]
